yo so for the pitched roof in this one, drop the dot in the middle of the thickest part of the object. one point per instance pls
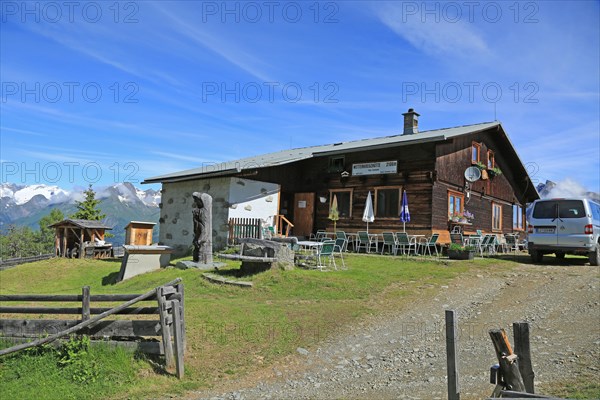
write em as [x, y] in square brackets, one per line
[81, 223]
[299, 154]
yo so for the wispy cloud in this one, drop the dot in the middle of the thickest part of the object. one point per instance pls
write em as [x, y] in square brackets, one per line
[437, 38]
[236, 55]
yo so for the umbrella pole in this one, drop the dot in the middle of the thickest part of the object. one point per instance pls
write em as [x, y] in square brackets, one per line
[404, 227]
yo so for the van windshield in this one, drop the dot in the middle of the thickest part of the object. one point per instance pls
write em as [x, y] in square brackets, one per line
[560, 208]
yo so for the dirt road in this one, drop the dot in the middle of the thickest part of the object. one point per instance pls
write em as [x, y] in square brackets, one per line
[402, 355]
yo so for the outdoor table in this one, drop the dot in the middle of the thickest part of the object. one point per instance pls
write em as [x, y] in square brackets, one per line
[309, 245]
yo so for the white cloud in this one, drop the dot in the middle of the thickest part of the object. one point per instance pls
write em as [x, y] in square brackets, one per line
[437, 38]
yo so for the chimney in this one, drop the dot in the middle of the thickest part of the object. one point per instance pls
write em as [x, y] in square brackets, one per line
[411, 122]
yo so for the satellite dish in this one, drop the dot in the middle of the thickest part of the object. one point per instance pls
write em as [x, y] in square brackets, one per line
[472, 174]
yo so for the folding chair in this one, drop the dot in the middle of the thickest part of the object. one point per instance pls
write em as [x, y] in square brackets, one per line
[427, 244]
[389, 240]
[404, 242]
[339, 246]
[364, 240]
[342, 235]
[326, 251]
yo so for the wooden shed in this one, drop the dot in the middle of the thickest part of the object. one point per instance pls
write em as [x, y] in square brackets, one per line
[139, 233]
[72, 236]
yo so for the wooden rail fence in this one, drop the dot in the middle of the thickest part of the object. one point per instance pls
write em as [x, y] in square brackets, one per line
[135, 333]
[13, 262]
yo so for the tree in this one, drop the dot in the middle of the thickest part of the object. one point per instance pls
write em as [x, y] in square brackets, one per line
[87, 209]
[47, 234]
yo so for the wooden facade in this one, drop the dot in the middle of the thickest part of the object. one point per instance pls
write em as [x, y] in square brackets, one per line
[430, 166]
[427, 171]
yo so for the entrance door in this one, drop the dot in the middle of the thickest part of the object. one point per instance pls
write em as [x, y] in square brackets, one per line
[304, 211]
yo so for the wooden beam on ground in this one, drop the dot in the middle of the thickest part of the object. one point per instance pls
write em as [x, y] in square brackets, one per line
[509, 366]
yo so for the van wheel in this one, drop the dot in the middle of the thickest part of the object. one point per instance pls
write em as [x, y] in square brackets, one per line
[560, 255]
[594, 256]
[536, 256]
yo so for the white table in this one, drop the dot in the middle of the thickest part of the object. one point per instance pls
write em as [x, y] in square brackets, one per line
[309, 244]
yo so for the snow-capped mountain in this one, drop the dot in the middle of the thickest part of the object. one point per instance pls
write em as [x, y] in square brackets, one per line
[13, 194]
[26, 204]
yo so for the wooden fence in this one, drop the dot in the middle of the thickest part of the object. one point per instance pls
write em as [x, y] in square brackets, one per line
[140, 334]
[13, 262]
[240, 228]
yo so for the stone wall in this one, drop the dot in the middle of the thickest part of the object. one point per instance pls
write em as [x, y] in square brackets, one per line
[176, 228]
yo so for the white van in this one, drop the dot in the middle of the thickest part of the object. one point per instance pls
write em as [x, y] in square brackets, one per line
[565, 226]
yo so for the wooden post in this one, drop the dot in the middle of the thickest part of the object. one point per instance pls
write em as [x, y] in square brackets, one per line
[451, 355]
[81, 243]
[64, 242]
[179, 288]
[178, 337]
[523, 350]
[85, 303]
[509, 365]
[165, 327]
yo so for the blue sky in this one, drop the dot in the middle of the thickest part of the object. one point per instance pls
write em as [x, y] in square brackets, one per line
[104, 92]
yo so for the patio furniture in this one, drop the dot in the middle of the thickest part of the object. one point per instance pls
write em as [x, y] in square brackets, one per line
[404, 242]
[342, 235]
[367, 241]
[389, 240]
[427, 243]
[318, 236]
[488, 243]
[338, 248]
[326, 252]
[510, 243]
[457, 238]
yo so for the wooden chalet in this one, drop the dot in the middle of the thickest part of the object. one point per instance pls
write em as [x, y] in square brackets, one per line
[430, 166]
[73, 237]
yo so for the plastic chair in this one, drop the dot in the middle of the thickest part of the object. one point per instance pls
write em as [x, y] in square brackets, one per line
[364, 240]
[427, 244]
[339, 246]
[457, 238]
[389, 240]
[510, 243]
[342, 235]
[404, 242]
[326, 251]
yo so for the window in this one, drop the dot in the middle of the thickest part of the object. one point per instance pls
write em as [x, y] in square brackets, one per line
[344, 201]
[455, 203]
[491, 162]
[336, 164]
[496, 217]
[387, 202]
[475, 152]
[518, 220]
[559, 209]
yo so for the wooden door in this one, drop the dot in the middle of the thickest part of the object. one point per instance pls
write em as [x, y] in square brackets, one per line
[304, 212]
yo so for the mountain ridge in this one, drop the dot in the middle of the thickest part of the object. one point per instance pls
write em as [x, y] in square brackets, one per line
[25, 205]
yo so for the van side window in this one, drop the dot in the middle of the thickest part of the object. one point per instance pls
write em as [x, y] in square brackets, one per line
[595, 211]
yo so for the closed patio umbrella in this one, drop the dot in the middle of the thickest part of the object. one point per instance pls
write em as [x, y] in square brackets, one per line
[404, 213]
[368, 215]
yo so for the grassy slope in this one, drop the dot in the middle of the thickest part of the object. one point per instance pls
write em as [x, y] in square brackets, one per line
[232, 331]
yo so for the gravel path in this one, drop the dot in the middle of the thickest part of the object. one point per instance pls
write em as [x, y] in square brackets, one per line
[402, 355]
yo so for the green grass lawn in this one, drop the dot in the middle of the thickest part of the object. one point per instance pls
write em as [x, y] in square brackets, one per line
[231, 331]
